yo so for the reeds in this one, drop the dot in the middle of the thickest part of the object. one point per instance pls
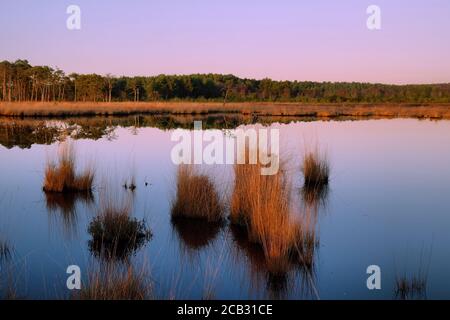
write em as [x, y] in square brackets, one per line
[115, 234]
[386, 110]
[196, 197]
[262, 205]
[410, 288]
[111, 283]
[61, 176]
[315, 169]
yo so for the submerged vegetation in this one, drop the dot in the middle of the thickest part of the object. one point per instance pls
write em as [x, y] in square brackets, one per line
[62, 177]
[115, 234]
[196, 197]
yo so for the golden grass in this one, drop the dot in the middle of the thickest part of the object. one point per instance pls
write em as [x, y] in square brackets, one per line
[63, 109]
[115, 234]
[61, 176]
[315, 169]
[196, 197]
[262, 205]
[110, 283]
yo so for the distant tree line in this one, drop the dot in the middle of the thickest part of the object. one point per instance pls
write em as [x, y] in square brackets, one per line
[22, 82]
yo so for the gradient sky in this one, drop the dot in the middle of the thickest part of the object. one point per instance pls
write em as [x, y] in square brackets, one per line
[319, 40]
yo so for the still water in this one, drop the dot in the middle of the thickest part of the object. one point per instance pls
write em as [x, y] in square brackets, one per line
[388, 205]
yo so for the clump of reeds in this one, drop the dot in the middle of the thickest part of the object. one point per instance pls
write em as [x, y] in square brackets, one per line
[62, 177]
[131, 184]
[315, 169]
[111, 283]
[196, 197]
[115, 233]
[261, 204]
[410, 288]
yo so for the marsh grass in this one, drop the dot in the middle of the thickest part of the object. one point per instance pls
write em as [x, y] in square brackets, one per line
[61, 176]
[409, 288]
[66, 109]
[315, 169]
[261, 204]
[115, 234]
[112, 283]
[196, 197]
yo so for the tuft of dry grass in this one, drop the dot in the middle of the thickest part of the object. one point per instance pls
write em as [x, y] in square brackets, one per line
[262, 205]
[196, 197]
[315, 169]
[111, 283]
[115, 234]
[62, 177]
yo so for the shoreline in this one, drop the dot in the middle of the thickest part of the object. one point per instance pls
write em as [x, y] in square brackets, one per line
[288, 109]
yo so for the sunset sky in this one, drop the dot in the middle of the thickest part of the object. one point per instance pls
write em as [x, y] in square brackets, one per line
[320, 40]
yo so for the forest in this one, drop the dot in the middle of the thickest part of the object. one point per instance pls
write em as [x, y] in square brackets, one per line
[21, 81]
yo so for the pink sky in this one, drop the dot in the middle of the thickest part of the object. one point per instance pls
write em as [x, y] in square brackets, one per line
[322, 40]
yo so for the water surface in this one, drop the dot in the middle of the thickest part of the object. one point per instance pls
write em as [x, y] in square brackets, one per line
[388, 205]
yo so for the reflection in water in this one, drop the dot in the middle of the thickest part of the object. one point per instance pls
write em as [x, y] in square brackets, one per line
[245, 272]
[25, 133]
[62, 208]
[115, 234]
[260, 269]
[278, 272]
[195, 234]
[315, 197]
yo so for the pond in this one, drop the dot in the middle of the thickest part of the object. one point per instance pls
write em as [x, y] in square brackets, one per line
[387, 204]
